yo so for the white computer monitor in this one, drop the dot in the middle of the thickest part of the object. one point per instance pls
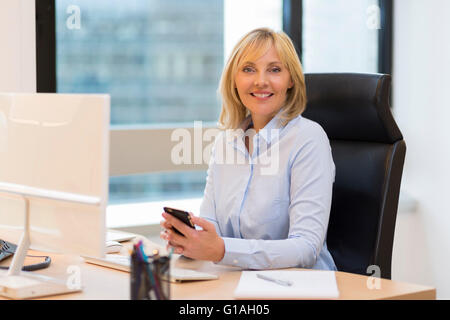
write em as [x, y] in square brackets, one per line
[54, 148]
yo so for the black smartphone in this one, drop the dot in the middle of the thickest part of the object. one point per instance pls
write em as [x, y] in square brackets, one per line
[181, 215]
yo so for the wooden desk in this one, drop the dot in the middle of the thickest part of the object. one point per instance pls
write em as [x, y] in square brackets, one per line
[104, 283]
[351, 286]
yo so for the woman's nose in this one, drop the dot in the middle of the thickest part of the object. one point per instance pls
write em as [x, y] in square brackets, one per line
[260, 80]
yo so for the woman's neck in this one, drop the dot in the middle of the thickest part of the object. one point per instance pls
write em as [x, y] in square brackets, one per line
[259, 122]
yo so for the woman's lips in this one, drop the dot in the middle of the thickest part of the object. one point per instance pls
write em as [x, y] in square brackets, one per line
[261, 96]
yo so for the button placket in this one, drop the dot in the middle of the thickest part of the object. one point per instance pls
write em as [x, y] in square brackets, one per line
[241, 209]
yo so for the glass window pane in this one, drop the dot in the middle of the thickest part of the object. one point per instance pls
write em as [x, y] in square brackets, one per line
[159, 60]
[244, 16]
[340, 35]
[156, 186]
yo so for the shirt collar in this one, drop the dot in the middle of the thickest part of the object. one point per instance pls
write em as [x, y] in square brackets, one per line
[275, 124]
[238, 133]
[265, 133]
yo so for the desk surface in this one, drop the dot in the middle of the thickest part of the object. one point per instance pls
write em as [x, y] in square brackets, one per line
[104, 283]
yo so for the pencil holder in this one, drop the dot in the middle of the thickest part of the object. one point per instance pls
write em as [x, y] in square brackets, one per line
[150, 275]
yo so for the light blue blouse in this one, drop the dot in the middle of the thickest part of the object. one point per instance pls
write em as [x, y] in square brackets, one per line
[272, 207]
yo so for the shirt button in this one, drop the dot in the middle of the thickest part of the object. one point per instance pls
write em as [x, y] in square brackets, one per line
[235, 261]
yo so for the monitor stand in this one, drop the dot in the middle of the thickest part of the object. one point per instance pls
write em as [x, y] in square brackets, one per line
[27, 286]
[18, 284]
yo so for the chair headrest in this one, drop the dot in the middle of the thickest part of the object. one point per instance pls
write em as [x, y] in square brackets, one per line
[351, 106]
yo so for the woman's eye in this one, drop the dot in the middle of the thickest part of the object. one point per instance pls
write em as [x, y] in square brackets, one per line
[247, 69]
[275, 70]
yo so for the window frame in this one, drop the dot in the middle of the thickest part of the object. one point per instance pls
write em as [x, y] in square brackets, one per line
[45, 46]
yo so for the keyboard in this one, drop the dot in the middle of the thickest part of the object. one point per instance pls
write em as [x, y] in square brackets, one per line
[119, 236]
[119, 262]
[7, 249]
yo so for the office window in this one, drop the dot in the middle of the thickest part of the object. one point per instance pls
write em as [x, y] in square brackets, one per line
[156, 186]
[340, 35]
[160, 61]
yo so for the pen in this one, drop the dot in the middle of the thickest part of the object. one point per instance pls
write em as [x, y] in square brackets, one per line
[277, 281]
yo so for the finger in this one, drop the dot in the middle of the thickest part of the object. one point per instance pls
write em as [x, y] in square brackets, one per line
[174, 245]
[163, 235]
[165, 225]
[179, 225]
[164, 215]
[176, 249]
[205, 224]
[170, 245]
[175, 238]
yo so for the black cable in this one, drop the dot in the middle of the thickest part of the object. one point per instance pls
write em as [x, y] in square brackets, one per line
[32, 267]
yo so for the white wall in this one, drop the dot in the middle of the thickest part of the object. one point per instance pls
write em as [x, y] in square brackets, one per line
[18, 46]
[421, 87]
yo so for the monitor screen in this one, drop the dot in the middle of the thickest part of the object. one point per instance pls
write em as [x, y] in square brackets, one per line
[57, 142]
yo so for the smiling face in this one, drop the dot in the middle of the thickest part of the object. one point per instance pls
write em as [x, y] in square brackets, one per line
[262, 86]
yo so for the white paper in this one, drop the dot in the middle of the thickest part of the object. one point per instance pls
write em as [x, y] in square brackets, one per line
[305, 285]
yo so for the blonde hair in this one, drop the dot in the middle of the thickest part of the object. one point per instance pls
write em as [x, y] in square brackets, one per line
[252, 46]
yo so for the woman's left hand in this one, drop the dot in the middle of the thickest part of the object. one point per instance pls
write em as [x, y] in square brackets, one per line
[203, 244]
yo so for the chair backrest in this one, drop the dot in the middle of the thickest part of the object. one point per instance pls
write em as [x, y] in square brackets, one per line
[368, 151]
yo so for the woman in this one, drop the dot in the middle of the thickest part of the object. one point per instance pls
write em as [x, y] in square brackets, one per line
[255, 218]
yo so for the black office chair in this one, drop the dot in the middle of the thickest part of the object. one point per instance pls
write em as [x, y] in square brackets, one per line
[368, 151]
